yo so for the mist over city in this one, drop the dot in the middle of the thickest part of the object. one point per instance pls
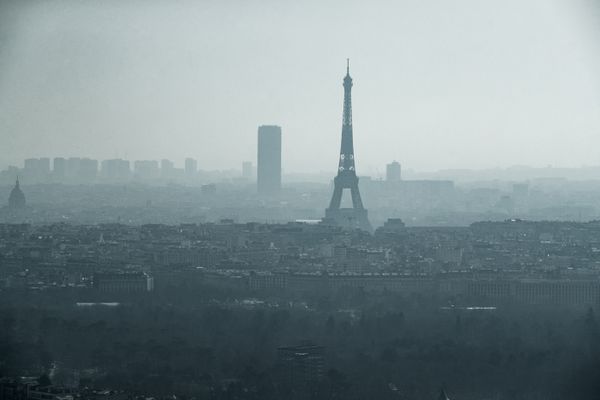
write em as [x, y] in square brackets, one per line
[299, 200]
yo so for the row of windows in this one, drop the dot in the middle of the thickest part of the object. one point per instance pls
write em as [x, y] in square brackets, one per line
[574, 292]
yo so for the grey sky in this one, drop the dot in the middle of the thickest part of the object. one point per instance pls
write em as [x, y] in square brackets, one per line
[437, 84]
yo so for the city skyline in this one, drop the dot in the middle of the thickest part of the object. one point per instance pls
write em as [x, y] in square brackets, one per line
[179, 218]
[409, 105]
[512, 172]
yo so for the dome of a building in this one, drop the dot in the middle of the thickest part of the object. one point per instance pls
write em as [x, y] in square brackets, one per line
[16, 199]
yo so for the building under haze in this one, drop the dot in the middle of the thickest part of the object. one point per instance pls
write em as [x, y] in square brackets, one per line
[59, 167]
[301, 366]
[16, 199]
[268, 178]
[88, 170]
[146, 169]
[167, 168]
[37, 165]
[36, 169]
[128, 282]
[73, 164]
[247, 170]
[191, 167]
[116, 169]
[393, 172]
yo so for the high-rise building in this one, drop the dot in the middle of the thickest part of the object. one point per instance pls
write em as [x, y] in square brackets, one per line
[146, 169]
[166, 168]
[268, 177]
[355, 217]
[393, 172]
[116, 169]
[36, 169]
[166, 164]
[73, 166]
[247, 170]
[44, 165]
[31, 165]
[88, 170]
[59, 167]
[191, 167]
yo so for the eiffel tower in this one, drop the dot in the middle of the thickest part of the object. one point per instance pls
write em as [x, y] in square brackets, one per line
[355, 217]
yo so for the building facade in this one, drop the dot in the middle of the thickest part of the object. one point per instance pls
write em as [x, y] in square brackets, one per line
[393, 172]
[269, 160]
[191, 167]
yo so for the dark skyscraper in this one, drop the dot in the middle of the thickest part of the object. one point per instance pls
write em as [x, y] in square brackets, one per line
[269, 159]
[355, 217]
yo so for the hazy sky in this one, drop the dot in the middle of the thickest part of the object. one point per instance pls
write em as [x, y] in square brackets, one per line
[437, 84]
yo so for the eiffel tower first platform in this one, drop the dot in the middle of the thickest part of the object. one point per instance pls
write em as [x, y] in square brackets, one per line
[355, 217]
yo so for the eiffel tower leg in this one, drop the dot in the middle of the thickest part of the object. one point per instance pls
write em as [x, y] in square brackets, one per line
[356, 200]
[336, 199]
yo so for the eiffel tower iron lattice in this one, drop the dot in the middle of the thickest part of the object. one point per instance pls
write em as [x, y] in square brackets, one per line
[355, 217]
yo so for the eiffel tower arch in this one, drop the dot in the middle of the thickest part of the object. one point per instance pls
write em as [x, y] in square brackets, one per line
[355, 217]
